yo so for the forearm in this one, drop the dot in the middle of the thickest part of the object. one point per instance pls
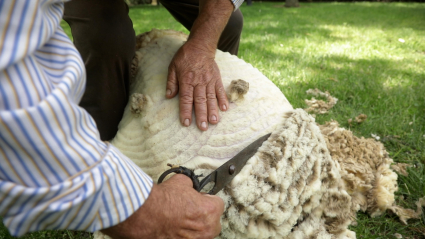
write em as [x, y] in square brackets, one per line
[55, 172]
[96, 197]
[207, 28]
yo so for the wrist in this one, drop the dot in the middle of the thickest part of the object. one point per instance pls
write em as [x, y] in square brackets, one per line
[209, 25]
[205, 48]
[138, 225]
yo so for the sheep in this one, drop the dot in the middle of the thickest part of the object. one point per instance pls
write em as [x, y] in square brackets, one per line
[150, 118]
[299, 184]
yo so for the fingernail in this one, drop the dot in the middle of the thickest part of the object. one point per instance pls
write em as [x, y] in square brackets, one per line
[224, 107]
[168, 92]
[213, 118]
[204, 125]
[186, 122]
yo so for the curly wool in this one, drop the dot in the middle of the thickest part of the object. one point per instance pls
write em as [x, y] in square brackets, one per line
[365, 169]
[320, 106]
[289, 189]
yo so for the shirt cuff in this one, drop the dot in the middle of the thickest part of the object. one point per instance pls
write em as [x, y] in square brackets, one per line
[237, 3]
[98, 197]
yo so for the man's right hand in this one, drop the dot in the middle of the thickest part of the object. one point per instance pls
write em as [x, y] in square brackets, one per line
[173, 210]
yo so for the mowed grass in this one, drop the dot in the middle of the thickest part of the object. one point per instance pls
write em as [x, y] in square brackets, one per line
[371, 56]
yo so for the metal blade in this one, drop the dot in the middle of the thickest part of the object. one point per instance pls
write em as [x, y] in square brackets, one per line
[226, 172]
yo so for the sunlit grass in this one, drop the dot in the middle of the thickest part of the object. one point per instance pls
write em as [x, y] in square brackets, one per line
[358, 45]
[371, 56]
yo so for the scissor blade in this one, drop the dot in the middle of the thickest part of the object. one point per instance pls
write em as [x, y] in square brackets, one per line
[226, 172]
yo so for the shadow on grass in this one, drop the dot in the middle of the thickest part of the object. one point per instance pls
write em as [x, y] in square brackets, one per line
[364, 14]
[370, 15]
[338, 23]
[383, 89]
[387, 89]
[372, 76]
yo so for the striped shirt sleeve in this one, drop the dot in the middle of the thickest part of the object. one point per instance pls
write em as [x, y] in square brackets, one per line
[55, 172]
[237, 3]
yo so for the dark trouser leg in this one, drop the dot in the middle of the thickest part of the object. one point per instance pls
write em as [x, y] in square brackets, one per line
[103, 34]
[186, 11]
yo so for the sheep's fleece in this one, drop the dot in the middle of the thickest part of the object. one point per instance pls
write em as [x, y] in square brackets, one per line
[291, 188]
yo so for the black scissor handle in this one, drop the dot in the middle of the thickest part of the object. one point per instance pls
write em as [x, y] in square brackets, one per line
[182, 170]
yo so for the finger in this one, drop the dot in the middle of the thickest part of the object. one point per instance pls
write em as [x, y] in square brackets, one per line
[217, 229]
[217, 200]
[180, 179]
[186, 104]
[172, 84]
[213, 116]
[219, 210]
[200, 102]
[221, 95]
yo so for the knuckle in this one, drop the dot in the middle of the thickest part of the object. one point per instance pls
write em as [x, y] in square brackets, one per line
[188, 78]
[186, 98]
[209, 234]
[205, 80]
[171, 67]
[200, 99]
[186, 113]
[190, 75]
[171, 80]
[210, 208]
[211, 96]
[220, 90]
[193, 214]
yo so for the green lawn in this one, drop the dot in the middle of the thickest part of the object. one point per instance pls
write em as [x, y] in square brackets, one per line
[371, 56]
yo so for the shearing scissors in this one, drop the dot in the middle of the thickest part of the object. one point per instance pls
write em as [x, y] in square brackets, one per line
[222, 175]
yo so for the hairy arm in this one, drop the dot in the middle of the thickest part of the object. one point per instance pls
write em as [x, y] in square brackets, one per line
[193, 72]
[213, 17]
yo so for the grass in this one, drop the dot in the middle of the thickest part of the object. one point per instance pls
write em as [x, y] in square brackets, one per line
[371, 56]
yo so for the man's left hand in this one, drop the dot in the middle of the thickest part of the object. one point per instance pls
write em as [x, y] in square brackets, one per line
[194, 74]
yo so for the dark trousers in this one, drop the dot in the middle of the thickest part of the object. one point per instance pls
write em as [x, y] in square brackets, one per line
[103, 34]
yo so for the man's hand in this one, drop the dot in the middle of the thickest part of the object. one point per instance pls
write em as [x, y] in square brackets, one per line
[195, 74]
[173, 210]
[193, 70]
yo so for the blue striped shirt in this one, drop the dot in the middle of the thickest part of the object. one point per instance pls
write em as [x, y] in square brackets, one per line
[55, 172]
